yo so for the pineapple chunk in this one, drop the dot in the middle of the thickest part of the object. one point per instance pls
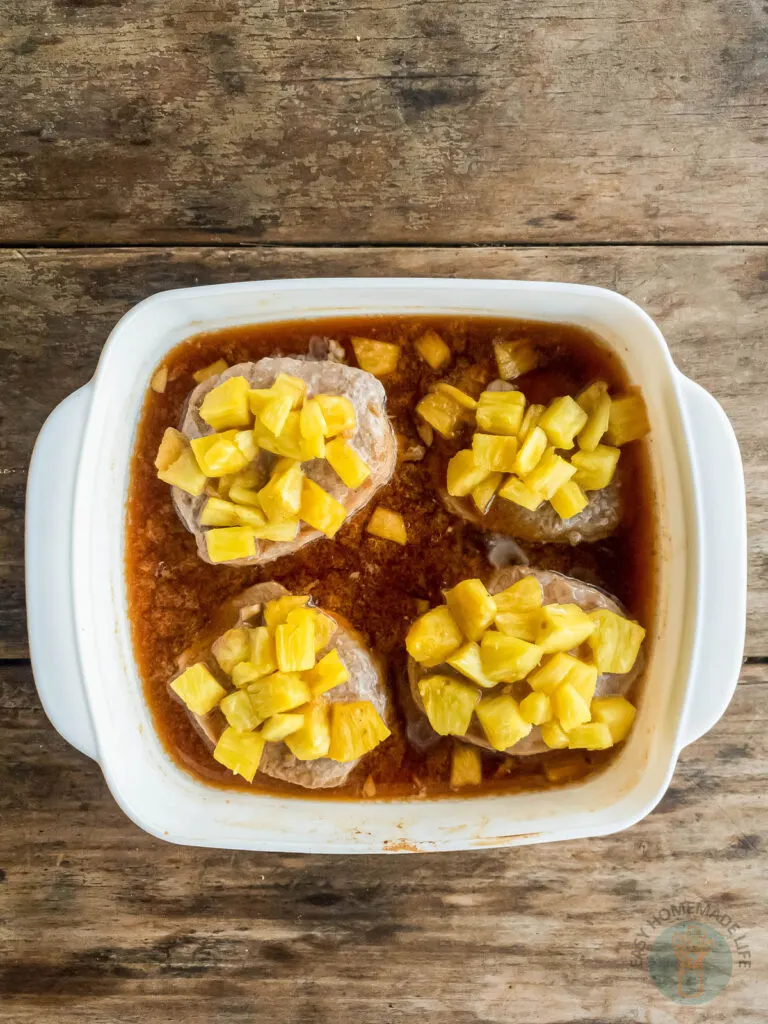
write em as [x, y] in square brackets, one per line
[590, 434]
[343, 458]
[563, 627]
[583, 678]
[562, 421]
[246, 516]
[523, 596]
[553, 735]
[212, 370]
[171, 447]
[589, 397]
[159, 380]
[442, 413]
[628, 420]
[484, 492]
[615, 642]
[506, 659]
[495, 453]
[185, 474]
[262, 655]
[356, 728]
[377, 357]
[282, 691]
[570, 707]
[320, 510]
[551, 673]
[502, 722]
[616, 713]
[595, 469]
[536, 708]
[550, 473]
[531, 420]
[448, 704]
[575, 767]
[460, 397]
[238, 711]
[472, 607]
[219, 513]
[281, 533]
[279, 726]
[258, 398]
[593, 736]
[514, 358]
[245, 496]
[523, 625]
[339, 414]
[329, 672]
[464, 474]
[226, 405]
[275, 413]
[198, 689]
[228, 543]
[240, 752]
[247, 672]
[531, 451]
[467, 661]
[313, 739]
[500, 412]
[295, 645]
[217, 454]
[288, 444]
[294, 387]
[231, 648]
[276, 612]
[281, 496]
[520, 493]
[246, 442]
[313, 428]
[388, 525]
[568, 500]
[433, 637]
[432, 349]
[466, 766]
[323, 625]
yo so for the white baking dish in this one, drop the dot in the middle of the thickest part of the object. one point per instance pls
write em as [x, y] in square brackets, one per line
[79, 631]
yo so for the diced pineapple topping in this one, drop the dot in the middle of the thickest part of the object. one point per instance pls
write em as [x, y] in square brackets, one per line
[523, 625]
[279, 726]
[506, 659]
[459, 397]
[616, 713]
[282, 691]
[514, 358]
[432, 349]
[484, 492]
[615, 642]
[433, 637]
[276, 612]
[570, 707]
[356, 728]
[217, 512]
[464, 474]
[198, 689]
[563, 627]
[226, 544]
[442, 413]
[568, 500]
[313, 739]
[231, 648]
[295, 645]
[628, 420]
[562, 421]
[523, 596]
[320, 511]
[339, 413]
[240, 752]
[591, 736]
[467, 661]
[329, 672]
[500, 412]
[342, 457]
[551, 673]
[281, 496]
[323, 625]
[448, 704]
[388, 525]
[595, 469]
[294, 387]
[536, 708]
[495, 453]
[275, 413]
[377, 357]
[262, 655]
[521, 494]
[590, 434]
[217, 454]
[530, 453]
[247, 496]
[313, 428]
[553, 735]
[472, 607]
[531, 420]
[171, 447]
[185, 474]
[466, 766]
[226, 405]
[502, 722]
[238, 711]
[212, 370]
[549, 474]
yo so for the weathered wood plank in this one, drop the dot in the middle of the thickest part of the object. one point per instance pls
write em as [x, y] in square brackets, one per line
[712, 304]
[100, 922]
[416, 121]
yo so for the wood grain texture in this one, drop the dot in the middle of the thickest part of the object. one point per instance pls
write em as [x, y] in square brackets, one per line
[416, 121]
[711, 303]
[102, 923]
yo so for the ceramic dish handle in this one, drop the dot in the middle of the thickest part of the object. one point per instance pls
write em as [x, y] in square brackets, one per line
[48, 553]
[721, 506]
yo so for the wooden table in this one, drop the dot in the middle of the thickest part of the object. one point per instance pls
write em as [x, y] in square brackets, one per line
[159, 144]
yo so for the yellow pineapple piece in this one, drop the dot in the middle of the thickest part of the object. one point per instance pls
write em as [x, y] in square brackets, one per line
[523, 596]
[442, 413]
[343, 458]
[281, 496]
[313, 428]
[472, 607]
[217, 454]
[313, 739]
[159, 380]
[628, 420]
[570, 707]
[246, 442]
[319, 510]
[592, 736]
[275, 413]
[217, 512]
[520, 493]
[356, 728]
[615, 642]
[591, 433]
[460, 397]
[226, 405]
[282, 691]
[464, 474]
[506, 659]
[536, 708]
[295, 645]
[240, 752]
[467, 661]
[583, 678]
[553, 735]
[530, 421]
[595, 470]
[212, 370]
[185, 474]
[262, 654]
[531, 451]
[246, 672]
[250, 516]
[549, 474]
[552, 672]
[495, 453]
[377, 357]
[198, 689]
[567, 770]
[238, 711]
[589, 397]
[228, 543]
[563, 627]
[502, 722]
[339, 414]
[244, 496]
[171, 447]
[258, 398]
[323, 625]
[514, 358]
[280, 533]
[433, 637]
[523, 625]
[432, 349]
[448, 704]
[484, 492]
[276, 612]
[616, 713]
[279, 726]
[294, 387]
[288, 444]
[466, 766]
[562, 420]
[231, 648]
[329, 672]
[388, 525]
[500, 412]
[568, 500]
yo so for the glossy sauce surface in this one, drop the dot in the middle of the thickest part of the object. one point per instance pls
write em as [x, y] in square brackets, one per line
[373, 583]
